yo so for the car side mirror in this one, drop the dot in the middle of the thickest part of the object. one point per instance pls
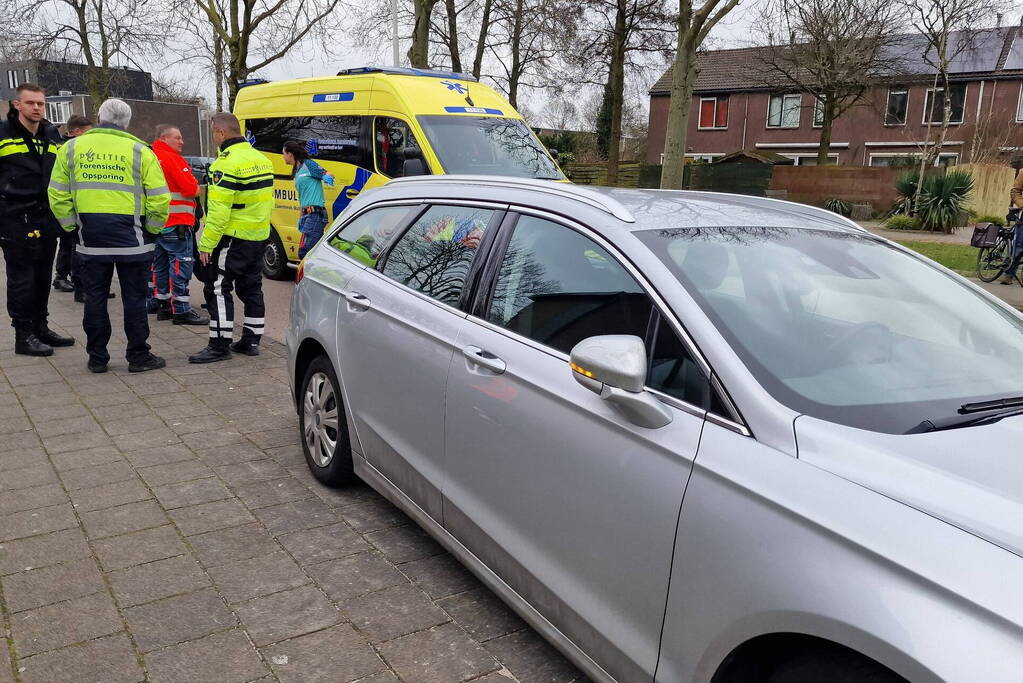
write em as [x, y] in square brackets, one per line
[554, 153]
[614, 367]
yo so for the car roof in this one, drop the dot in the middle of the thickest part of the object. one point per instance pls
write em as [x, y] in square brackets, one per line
[631, 209]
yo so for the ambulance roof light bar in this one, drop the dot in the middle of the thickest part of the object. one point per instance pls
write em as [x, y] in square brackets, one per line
[402, 71]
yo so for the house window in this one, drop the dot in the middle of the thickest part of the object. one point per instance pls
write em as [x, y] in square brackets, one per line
[912, 158]
[898, 103]
[818, 113]
[1019, 106]
[809, 159]
[934, 105]
[26, 79]
[58, 112]
[783, 111]
[12, 79]
[713, 112]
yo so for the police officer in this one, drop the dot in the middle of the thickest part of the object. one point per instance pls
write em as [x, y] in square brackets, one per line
[109, 184]
[239, 201]
[28, 230]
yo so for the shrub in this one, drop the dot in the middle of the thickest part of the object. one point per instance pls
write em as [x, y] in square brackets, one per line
[942, 199]
[839, 206]
[902, 222]
[905, 185]
[997, 220]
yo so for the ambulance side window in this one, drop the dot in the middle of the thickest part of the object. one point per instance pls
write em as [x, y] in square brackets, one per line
[328, 138]
[392, 137]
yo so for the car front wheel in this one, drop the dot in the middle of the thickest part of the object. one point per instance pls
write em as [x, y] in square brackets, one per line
[325, 442]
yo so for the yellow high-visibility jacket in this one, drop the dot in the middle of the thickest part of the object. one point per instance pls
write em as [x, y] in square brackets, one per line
[240, 196]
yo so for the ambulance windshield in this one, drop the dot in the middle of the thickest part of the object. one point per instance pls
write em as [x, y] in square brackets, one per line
[488, 146]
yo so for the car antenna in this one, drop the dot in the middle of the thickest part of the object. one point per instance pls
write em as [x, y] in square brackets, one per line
[468, 97]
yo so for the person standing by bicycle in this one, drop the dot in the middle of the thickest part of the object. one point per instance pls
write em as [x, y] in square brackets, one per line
[1015, 203]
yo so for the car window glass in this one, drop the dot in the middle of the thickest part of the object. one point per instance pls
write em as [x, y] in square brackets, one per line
[433, 256]
[392, 137]
[366, 236]
[674, 372]
[327, 138]
[558, 287]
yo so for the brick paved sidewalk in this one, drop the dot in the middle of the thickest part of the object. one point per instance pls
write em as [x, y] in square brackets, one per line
[163, 527]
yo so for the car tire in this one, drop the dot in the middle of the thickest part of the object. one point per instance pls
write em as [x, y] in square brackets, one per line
[323, 427]
[275, 258]
[833, 666]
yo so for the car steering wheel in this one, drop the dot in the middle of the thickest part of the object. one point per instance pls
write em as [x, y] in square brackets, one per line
[862, 343]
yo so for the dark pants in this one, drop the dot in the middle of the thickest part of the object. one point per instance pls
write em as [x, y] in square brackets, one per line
[235, 264]
[172, 271]
[1017, 251]
[29, 267]
[96, 277]
[67, 257]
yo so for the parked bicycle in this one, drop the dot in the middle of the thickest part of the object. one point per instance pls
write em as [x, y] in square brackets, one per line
[996, 246]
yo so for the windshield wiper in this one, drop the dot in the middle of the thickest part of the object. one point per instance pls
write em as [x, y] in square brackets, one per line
[997, 404]
[968, 420]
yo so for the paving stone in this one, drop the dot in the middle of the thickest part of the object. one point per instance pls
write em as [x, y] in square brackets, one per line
[193, 492]
[213, 439]
[233, 545]
[109, 495]
[10, 425]
[181, 411]
[155, 580]
[79, 441]
[393, 612]
[72, 425]
[41, 521]
[199, 423]
[107, 414]
[257, 576]
[335, 655]
[240, 474]
[286, 455]
[110, 398]
[16, 460]
[226, 455]
[97, 475]
[20, 500]
[388, 677]
[45, 586]
[482, 614]
[374, 515]
[178, 619]
[220, 658]
[221, 514]
[404, 544]
[531, 659]
[350, 577]
[160, 455]
[87, 458]
[105, 660]
[133, 425]
[303, 514]
[323, 543]
[47, 628]
[288, 614]
[123, 519]
[502, 675]
[176, 472]
[140, 547]
[19, 442]
[42, 551]
[274, 492]
[275, 437]
[441, 654]
[6, 672]
[28, 477]
[150, 438]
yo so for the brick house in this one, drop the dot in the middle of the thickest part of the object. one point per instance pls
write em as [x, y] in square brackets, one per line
[734, 109]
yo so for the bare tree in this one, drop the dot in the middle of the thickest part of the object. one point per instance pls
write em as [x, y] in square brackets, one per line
[249, 35]
[463, 19]
[694, 23]
[991, 135]
[100, 33]
[528, 37]
[419, 50]
[836, 51]
[617, 33]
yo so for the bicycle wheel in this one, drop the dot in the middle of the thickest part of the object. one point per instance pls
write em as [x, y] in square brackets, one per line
[992, 261]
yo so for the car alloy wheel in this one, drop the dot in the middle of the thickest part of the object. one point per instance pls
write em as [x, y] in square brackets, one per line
[320, 419]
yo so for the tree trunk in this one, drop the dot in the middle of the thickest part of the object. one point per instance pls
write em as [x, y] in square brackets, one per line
[924, 153]
[481, 45]
[683, 77]
[456, 58]
[617, 86]
[218, 70]
[824, 148]
[419, 51]
[515, 73]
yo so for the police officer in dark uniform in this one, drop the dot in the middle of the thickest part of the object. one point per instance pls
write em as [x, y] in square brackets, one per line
[28, 229]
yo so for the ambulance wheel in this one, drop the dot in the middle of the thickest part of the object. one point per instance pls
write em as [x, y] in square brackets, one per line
[324, 429]
[275, 259]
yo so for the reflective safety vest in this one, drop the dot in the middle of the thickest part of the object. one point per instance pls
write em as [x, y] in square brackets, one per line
[109, 184]
[183, 186]
[240, 196]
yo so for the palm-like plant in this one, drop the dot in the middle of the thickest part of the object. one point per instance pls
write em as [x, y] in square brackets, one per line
[942, 199]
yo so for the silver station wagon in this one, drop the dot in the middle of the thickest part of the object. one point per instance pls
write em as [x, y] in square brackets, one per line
[687, 436]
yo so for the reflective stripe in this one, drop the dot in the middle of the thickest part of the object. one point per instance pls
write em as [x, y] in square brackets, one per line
[219, 292]
[154, 191]
[114, 251]
[136, 176]
[162, 297]
[110, 186]
[183, 299]
[73, 186]
[66, 221]
[223, 324]
[178, 208]
[255, 321]
[178, 197]
[60, 186]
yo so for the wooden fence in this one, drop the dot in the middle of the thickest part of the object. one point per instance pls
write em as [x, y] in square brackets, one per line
[991, 183]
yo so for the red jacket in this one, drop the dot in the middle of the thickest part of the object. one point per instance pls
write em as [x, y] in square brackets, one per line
[182, 184]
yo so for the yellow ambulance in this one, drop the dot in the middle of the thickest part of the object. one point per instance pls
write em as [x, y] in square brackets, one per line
[371, 124]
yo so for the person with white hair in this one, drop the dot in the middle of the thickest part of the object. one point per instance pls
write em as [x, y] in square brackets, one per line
[109, 185]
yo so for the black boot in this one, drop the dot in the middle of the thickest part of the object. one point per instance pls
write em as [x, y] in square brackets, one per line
[63, 284]
[245, 348]
[27, 344]
[191, 317]
[79, 296]
[48, 336]
[211, 354]
[150, 362]
[165, 312]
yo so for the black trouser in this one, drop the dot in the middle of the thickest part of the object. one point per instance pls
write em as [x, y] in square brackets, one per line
[235, 264]
[96, 277]
[29, 267]
[67, 257]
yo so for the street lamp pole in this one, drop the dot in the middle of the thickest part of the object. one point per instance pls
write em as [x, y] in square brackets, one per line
[394, 31]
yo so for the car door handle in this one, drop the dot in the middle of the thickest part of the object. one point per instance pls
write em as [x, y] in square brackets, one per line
[357, 300]
[478, 356]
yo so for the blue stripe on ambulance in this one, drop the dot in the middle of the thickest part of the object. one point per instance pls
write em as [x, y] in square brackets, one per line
[334, 97]
[350, 192]
[473, 110]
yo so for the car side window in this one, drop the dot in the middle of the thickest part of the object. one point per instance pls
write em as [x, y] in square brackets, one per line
[558, 287]
[433, 256]
[365, 237]
[673, 370]
[392, 138]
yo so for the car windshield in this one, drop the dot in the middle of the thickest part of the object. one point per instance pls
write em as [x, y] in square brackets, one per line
[845, 327]
[488, 146]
